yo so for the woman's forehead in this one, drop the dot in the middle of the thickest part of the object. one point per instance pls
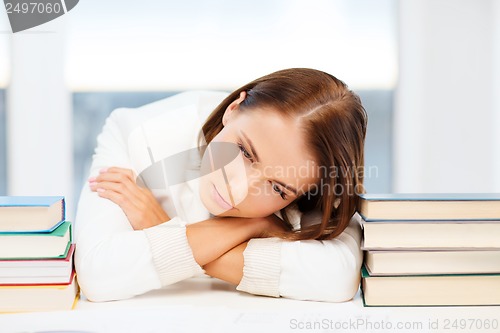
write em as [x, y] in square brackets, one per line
[280, 145]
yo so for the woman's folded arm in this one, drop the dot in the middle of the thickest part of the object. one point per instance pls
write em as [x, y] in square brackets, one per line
[113, 261]
[314, 270]
[120, 263]
[116, 263]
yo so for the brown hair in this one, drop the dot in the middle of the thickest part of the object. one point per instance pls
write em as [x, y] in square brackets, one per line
[334, 122]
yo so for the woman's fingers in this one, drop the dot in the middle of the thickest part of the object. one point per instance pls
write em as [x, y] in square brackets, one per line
[114, 175]
[129, 191]
[139, 204]
[115, 170]
[119, 181]
[116, 179]
[118, 198]
[123, 188]
[124, 195]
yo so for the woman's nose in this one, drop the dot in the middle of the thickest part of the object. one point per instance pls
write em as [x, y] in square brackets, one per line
[237, 179]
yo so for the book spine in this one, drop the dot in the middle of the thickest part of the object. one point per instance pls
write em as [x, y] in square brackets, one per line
[63, 208]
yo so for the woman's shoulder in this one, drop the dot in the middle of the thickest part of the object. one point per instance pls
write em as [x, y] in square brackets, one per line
[177, 119]
[201, 102]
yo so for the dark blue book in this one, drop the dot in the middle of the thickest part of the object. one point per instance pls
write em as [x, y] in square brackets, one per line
[31, 213]
[430, 206]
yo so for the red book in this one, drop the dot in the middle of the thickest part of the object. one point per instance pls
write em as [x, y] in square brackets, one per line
[37, 271]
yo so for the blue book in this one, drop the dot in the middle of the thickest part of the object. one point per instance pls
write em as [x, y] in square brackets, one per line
[430, 206]
[31, 213]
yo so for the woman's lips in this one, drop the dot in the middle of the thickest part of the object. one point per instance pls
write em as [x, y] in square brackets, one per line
[219, 199]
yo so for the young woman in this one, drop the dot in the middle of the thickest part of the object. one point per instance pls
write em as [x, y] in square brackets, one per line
[257, 188]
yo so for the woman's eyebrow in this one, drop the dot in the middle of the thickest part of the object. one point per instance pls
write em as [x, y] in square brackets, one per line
[254, 153]
[252, 149]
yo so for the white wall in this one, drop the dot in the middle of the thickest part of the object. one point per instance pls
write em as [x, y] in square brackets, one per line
[39, 149]
[445, 135]
[166, 45]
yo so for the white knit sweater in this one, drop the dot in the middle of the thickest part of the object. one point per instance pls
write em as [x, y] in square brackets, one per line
[115, 262]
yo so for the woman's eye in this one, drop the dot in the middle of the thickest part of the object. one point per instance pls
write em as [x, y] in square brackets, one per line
[245, 152]
[279, 191]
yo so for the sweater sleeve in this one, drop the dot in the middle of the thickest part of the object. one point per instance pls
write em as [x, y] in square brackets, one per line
[112, 260]
[327, 270]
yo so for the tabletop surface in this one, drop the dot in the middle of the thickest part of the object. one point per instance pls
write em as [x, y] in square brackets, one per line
[205, 304]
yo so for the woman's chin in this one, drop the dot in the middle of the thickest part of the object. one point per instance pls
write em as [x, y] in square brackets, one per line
[225, 214]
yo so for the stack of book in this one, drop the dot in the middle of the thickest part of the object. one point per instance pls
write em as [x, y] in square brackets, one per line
[430, 249]
[36, 255]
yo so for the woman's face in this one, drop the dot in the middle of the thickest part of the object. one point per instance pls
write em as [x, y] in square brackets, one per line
[256, 165]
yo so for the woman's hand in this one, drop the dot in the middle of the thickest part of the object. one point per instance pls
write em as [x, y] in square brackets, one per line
[139, 204]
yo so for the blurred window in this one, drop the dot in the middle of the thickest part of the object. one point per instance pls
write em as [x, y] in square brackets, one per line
[134, 53]
[5, 33]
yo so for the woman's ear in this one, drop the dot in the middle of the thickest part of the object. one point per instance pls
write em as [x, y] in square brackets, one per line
[232, 107]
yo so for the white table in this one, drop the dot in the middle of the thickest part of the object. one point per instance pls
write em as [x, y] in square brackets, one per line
[205, 304]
